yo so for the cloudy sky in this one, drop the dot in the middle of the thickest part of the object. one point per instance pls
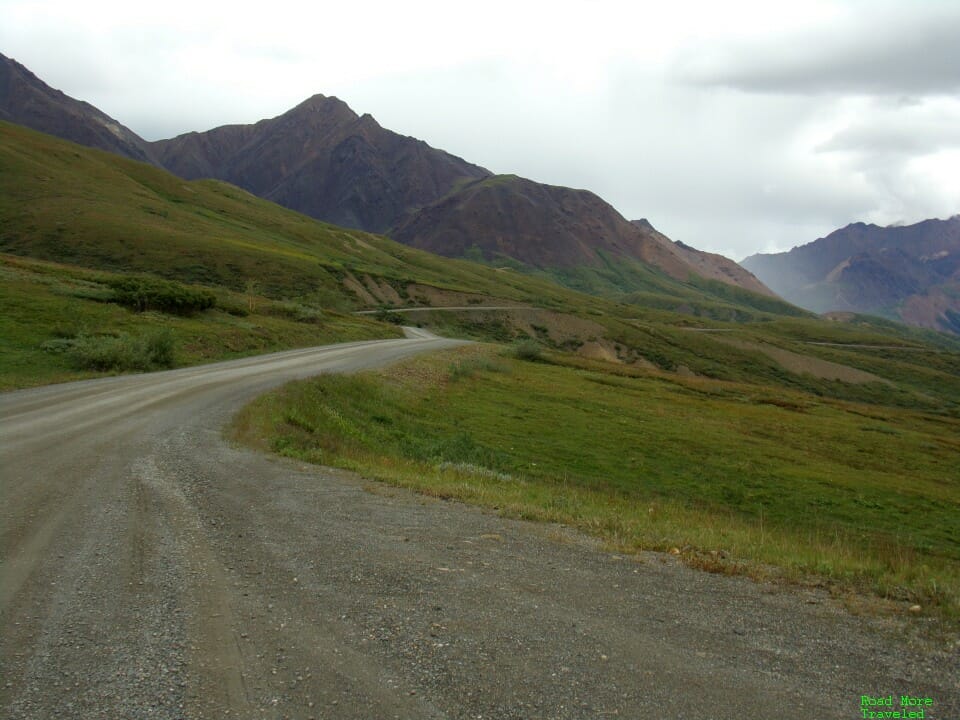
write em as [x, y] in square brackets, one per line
[737, 127]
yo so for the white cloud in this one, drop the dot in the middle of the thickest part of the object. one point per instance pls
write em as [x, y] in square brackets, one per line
[736, 127]
[875, 48]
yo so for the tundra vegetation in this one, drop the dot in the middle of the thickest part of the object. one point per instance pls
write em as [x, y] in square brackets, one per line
[747, 434]
[861, 497]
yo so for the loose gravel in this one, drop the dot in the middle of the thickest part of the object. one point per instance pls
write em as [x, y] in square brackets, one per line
[152, 570]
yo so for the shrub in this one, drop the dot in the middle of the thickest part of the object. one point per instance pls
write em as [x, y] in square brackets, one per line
[231, 307]
[158, 348]
[297, 312]
[385, 314]
[122, 352]
[58, 345]
[148, 293]
[527, 349]
[105, 353]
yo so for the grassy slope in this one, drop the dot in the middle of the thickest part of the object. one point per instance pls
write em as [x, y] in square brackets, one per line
[41, 302]
[638, 284]
[71, 218]
[842, 471]
[70, 204]
[742, 476]
[64, 203]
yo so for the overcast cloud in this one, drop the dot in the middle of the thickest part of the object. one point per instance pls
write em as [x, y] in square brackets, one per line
[736, 127]
[882, 48]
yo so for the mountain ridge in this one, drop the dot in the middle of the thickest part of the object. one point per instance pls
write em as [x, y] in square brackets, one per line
[909, 273]
[323, 159]
[26, 100]
[511, 216]
[712, 266]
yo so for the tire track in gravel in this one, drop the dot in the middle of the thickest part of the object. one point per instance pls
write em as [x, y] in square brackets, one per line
[106, 578]
[214, 656]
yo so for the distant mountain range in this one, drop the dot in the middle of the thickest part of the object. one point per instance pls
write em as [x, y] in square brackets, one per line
[909, 273]
[324, 160]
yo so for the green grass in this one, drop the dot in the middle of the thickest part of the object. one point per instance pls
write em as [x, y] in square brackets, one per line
[85, 209]
[74, 205]
[58, 325]
[863, 496]
[693, 441]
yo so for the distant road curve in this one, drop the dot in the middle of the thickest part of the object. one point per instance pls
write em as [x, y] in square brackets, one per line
[152, 570]
[448, 308]
[906, 348]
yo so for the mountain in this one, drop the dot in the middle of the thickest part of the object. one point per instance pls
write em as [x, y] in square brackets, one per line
[76, 221]
[324, 160]
[566, 232]
[27, 100]
[909, 273]
[509, 217]
[711, 265]
[320, 158]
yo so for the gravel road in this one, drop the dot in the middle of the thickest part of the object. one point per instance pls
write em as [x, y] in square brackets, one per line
[152, 570]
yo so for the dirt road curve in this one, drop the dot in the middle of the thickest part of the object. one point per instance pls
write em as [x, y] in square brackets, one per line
[150, 570]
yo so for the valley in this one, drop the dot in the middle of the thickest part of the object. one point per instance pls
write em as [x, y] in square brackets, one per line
[80, 225]
[307, 418]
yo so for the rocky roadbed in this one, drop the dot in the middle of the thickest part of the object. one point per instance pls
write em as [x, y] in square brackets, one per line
[152, 570]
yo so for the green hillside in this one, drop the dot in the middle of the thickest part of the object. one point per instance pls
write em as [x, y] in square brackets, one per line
[70, 204]
[99, 216]
[729, 425]
[739, 477]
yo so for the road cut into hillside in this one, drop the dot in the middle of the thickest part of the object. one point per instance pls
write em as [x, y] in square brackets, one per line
[150, 569]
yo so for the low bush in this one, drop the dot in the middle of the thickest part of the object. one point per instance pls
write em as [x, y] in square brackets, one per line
[158, 348]
[58, 345]
[148, 293]
[298, 312]
[106, 353]
[527, 349]
[232, 306]
[385, 314]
